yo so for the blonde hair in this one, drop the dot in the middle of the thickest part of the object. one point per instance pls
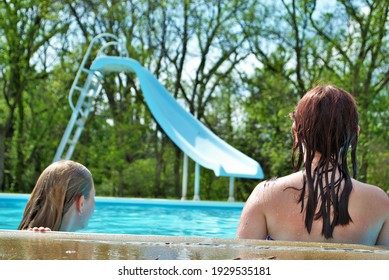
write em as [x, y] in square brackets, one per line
[57, 188]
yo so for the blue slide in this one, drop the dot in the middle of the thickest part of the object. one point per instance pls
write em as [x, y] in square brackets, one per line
[189, 134]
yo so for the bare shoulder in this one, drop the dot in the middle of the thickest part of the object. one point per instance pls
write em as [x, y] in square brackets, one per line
[262, 193]
[273, 189]
[371, 193]
[376, 200]
[369, 189]
[280, 184]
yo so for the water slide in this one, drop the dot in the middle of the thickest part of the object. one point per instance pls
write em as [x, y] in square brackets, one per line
[189, 134]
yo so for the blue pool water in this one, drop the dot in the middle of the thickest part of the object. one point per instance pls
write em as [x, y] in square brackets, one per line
[144, 216]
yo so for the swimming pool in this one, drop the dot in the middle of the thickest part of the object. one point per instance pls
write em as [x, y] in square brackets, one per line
[144, 216]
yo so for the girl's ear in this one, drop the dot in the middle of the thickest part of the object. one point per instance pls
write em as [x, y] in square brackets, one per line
[80, 204]
[359, 129]
[294, 126]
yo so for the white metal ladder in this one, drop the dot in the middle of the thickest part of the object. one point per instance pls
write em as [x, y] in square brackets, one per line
[89, 84]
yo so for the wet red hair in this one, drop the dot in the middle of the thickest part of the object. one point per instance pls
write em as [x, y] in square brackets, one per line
[325, 124]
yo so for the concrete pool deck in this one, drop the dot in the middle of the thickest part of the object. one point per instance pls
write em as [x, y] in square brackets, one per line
[23, 245]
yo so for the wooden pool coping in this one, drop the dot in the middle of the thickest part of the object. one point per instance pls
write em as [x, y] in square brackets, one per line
[23, 245]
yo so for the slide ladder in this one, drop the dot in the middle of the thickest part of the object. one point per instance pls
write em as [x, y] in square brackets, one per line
[88, 85]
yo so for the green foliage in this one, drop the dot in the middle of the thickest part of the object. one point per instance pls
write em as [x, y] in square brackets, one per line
[379, 158]
[269, 125]
[239, 66]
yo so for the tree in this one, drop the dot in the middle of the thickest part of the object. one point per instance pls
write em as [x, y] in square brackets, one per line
[238, 66]
[359, 60]
[342, 44]
[26, 27]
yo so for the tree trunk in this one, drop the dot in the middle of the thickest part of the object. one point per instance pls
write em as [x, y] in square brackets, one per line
[364, 148]
[19, 171]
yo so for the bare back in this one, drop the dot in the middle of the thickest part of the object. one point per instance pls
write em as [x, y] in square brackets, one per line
[273, 210]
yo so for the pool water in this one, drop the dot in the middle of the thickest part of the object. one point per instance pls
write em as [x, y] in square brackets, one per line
[144, 216]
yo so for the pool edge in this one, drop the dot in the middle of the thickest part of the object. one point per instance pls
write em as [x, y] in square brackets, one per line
[23, 245]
